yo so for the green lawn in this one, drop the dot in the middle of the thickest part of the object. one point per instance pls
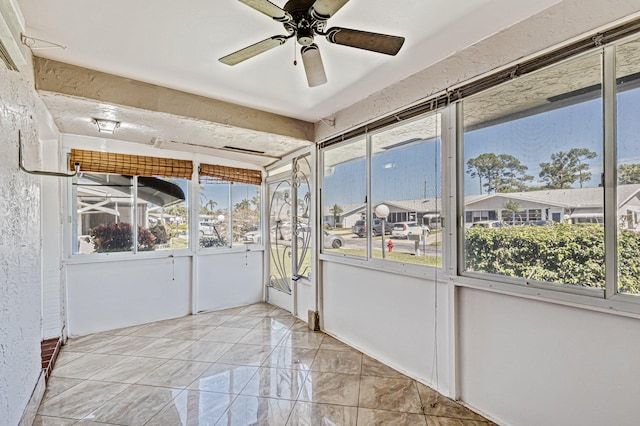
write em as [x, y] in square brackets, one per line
[393, 256]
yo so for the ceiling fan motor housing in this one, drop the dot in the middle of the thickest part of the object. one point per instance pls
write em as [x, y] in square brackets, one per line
[303, 22]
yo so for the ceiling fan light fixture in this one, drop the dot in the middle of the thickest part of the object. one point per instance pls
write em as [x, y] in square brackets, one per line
[106, 126]
[313, 66]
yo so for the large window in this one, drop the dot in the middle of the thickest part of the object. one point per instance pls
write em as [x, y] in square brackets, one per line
[130, 203]
[405, 178]
[112, 216]
[246, 213]
[229, 211]
[628, 154]
[163, 211]
[533, 158]
[398, 216]
[213, 216]
[344, 196]
[104, 213]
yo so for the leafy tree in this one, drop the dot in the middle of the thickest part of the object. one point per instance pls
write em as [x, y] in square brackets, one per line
[498, 173]
[242, 205]
[336, 210]
[566, 168]
[245, 219]
[628, 174]
[256, 202]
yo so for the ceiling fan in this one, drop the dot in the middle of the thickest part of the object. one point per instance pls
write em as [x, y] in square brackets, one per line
[305, 19]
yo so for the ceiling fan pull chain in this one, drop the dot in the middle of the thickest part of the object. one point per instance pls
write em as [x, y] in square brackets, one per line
[295, 55]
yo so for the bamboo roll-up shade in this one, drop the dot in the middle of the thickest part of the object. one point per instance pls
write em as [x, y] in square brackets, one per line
[230, 174]
[130, 165]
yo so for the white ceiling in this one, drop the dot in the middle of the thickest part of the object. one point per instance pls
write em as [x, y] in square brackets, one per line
[177, 45]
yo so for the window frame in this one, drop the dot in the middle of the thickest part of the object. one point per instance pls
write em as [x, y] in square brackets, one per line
[404, 268]
[460, 176]
[605, 299]
[69, 234]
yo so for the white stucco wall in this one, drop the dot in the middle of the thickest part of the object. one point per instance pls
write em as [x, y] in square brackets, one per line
[20, 243]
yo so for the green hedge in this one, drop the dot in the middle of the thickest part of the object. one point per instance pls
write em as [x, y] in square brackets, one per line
[562, 253]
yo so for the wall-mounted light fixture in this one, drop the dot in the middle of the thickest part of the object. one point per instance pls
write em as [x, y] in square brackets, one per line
[106, 126]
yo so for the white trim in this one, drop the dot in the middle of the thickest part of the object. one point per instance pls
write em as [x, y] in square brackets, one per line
[30, 411]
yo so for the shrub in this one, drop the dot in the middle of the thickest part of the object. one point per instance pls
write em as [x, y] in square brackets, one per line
[206, 242]
[562, 253]
[118, 237]
[161, 233]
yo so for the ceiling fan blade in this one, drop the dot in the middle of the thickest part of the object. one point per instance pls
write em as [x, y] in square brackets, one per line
[313, 66]
[381, 43]
[325, 9]
[269, 9]
[253, 50]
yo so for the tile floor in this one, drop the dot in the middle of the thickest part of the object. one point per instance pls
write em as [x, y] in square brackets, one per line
[253, 365]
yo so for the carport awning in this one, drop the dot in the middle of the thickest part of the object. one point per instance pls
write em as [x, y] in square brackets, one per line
[152, 190]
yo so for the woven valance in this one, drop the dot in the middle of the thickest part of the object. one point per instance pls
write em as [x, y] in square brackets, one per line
[130, 165]
[230, 174]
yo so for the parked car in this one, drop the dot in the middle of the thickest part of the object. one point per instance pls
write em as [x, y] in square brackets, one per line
[207, 228]
[404, 229]
[539, 223]
[360, 228]
[488, 224]
[252, 237]
[281, 232]
[332, 240]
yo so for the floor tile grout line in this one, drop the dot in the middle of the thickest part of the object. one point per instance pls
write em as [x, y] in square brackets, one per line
[262, 326]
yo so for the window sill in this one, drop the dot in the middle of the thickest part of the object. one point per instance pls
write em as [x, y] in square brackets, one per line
[622, 305]
[408, 269]
[147, 255]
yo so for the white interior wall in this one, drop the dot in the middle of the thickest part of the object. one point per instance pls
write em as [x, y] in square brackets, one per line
[109, 295]
[390, 317]
[526, 362]
[226, 280]
[105, 295]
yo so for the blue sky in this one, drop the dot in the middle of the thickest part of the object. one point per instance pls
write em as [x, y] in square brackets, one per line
[219, 192]
[533, 139]
[400, 174]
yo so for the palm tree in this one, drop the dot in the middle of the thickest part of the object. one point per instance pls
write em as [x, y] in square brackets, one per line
[336, 210]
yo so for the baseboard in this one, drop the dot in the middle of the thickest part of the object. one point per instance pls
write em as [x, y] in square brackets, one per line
[31, 409]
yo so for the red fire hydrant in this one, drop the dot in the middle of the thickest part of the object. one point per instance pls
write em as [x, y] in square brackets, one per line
[390, 246]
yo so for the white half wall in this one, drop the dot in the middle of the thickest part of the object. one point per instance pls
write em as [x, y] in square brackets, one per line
[109, 295]
[525, 362]
[227, 280]
[389, 317]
